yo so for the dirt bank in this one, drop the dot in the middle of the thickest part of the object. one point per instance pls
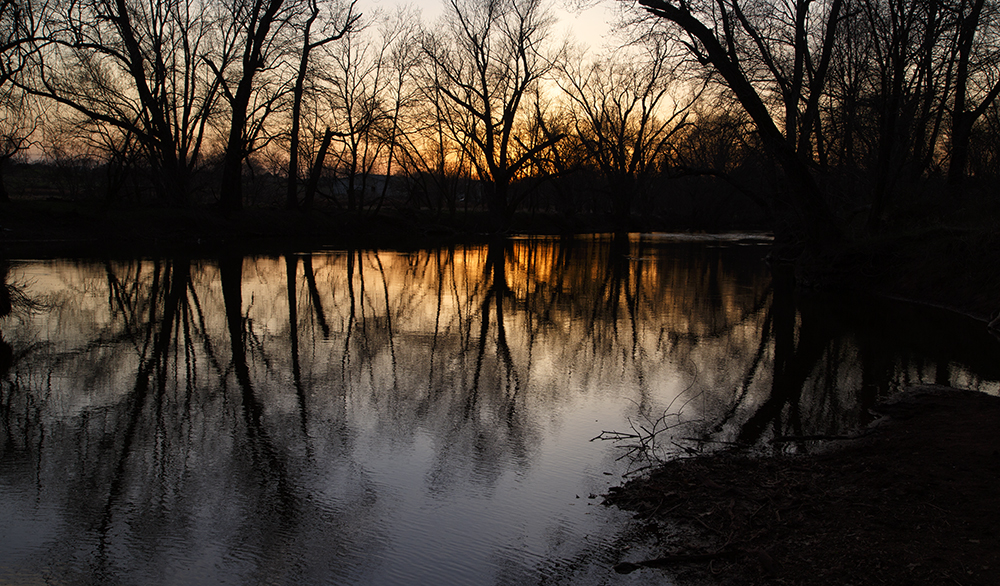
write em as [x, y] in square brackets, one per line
[913, 500]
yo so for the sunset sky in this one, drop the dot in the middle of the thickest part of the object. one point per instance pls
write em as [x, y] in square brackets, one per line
[586, 20]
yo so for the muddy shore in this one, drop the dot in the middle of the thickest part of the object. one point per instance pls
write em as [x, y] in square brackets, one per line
[912, 500]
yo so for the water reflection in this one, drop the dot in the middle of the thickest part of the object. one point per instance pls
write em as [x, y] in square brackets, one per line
[6, 305]
[382, 417]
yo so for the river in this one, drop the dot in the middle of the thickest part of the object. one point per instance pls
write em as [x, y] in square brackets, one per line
[412, 417]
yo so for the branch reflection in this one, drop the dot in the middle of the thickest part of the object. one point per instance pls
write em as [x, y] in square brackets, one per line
[356, 379]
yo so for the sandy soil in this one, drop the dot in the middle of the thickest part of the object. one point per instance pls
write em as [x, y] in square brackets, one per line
[913, 500]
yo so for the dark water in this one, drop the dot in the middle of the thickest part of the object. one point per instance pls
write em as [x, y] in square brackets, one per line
[375, 417]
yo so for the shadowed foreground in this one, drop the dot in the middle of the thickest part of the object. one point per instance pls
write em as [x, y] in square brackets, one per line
[911, 501]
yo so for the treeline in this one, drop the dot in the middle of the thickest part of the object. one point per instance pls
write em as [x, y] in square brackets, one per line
[857, 101]
[806, 111]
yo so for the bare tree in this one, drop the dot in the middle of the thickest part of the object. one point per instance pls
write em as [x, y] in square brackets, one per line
[136, 66]
[20, 22]
[487, 59]
[19, 119]
[20, 34]
[984, 159]
[366, 91]
[400, 35]
[561, 176]
[978, 23]
[899, 88]
[334, 26]
[358, 93]
[627, 111]
[250, 40]
[433, 153]
[771, 54]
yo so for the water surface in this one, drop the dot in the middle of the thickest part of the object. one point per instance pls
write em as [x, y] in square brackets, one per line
[425, 417]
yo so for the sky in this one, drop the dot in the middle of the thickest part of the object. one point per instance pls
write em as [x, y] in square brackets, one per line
[589, 24]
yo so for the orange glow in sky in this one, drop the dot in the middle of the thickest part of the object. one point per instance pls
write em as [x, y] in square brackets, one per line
[587, 22]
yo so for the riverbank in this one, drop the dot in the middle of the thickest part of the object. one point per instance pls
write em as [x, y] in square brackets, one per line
[954, 263]
[60, 228]
[912, 500]
[957, 268]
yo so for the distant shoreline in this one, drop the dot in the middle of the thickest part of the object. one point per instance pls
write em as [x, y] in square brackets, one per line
[71, 228]
[952, 268]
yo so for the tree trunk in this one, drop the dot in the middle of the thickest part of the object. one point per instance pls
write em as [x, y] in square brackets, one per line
[4, 196]
[312, 184]
[231, 191]
[496, 202]
[292, 189]
[621, 200]
[291, 195]
[961, 132]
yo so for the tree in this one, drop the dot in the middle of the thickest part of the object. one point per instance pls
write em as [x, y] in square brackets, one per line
[399, 34]
[137, 66]
[367, 78]
[899, 88]
[980, 18]
[486, 61]
[433, 153]
[333, 27]
[763, 54]
[18, 116]
[19, 119]
[626, 111]
[249, 39]
[20, 35]
[16, 32]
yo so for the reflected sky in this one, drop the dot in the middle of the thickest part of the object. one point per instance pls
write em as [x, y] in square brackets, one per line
[383, 417]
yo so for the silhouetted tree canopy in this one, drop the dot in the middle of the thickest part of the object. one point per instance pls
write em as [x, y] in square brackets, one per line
[824, 115]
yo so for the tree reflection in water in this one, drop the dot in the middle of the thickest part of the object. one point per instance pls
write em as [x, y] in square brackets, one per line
[6, 305]
[339, 416]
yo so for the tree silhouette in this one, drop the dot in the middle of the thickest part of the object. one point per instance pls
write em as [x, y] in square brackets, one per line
[328, 35]
[136, 68]
[486, 61]
[736, 45]
[622, 117]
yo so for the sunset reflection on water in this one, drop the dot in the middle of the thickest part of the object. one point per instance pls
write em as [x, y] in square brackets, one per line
[376, 417]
